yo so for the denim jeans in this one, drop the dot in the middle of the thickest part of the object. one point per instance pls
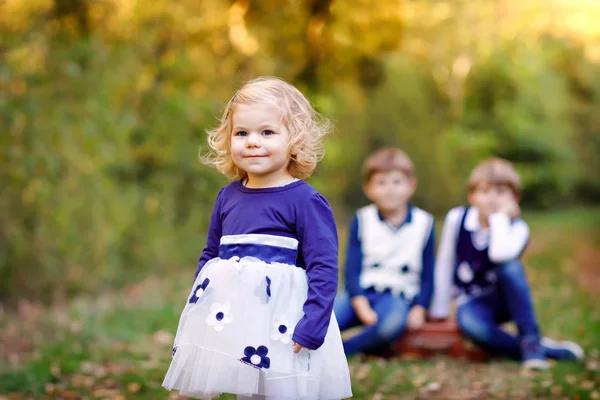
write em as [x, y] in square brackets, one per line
[392, 314]
[480, 317]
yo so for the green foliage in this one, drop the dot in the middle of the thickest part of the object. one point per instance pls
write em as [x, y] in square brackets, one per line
[103, 109]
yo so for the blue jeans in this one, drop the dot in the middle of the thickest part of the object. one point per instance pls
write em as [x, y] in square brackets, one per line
[480, 317]
[392, 313]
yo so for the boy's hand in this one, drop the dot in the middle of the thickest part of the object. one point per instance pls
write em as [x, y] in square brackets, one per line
[511, 209]
[416, 318]
[363, 310]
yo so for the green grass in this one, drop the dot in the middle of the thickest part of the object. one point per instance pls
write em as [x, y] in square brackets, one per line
[119, 344]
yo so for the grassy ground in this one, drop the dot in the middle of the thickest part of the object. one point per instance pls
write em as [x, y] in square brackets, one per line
[118, 346]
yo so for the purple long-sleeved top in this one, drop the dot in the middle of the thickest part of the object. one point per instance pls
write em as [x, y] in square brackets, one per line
[297, 211]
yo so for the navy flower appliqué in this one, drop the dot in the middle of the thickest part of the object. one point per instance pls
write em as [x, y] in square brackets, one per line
[174, 351]
[199, 291]
[268, 280]
[263, 290]
[257, 357]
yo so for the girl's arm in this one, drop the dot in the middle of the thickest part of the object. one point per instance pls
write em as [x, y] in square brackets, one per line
[213, 237]
[444, 266]
[353, 264]
[316, 230]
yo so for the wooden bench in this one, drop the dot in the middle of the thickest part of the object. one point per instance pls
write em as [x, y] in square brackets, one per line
[434, 338]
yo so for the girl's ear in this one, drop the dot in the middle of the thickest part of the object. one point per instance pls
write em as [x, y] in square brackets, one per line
[293, 152]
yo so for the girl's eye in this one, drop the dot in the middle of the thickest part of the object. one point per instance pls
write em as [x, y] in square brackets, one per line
[241, 133]
[268, 132]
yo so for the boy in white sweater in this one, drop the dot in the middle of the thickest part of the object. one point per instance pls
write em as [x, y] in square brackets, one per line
[390, 257]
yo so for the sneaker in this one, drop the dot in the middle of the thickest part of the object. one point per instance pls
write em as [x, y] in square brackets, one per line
[533, 355]
[562, 350]
[537, 364]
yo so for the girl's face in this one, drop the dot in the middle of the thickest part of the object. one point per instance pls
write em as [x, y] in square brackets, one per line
[259, 144]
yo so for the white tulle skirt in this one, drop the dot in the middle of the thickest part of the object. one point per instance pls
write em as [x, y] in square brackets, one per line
[234, 336]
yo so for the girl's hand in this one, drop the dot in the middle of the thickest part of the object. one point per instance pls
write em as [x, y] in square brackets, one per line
[298, 347]
[416, 318]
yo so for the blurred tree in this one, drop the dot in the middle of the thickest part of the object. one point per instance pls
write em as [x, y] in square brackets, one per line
[104, 104]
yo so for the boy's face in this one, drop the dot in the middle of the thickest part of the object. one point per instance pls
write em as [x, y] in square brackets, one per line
[490, 198]
[390, 191]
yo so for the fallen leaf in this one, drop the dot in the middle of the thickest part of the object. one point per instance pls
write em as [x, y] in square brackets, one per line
[87, 367]
[89, 382]
[55, 370]
[571, 379]
[587, 385]
[594, 395]
[382, 362]
[418, 382]
[76, 326]
[363, 371]
[100, 371]
[68, 394]
[134, 387]
[479, 385]
[556, 390]
[111, 393]
[49, 388]
[163, 338]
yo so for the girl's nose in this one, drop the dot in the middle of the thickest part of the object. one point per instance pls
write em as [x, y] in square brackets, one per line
[253, 140]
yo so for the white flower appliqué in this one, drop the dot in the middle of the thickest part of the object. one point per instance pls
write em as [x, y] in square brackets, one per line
[219, 316]
[282, 331]
[465, 274]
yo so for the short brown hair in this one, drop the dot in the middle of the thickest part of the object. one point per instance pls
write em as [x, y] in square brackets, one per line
[386, 160]
[497, 172]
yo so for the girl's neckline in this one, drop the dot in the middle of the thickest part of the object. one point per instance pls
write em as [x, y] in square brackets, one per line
[287, 186]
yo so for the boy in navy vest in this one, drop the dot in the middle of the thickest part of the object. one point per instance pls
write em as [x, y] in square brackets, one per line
[390, 257]
[479, 259]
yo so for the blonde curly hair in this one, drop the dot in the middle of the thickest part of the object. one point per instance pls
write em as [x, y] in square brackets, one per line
[306, 127]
